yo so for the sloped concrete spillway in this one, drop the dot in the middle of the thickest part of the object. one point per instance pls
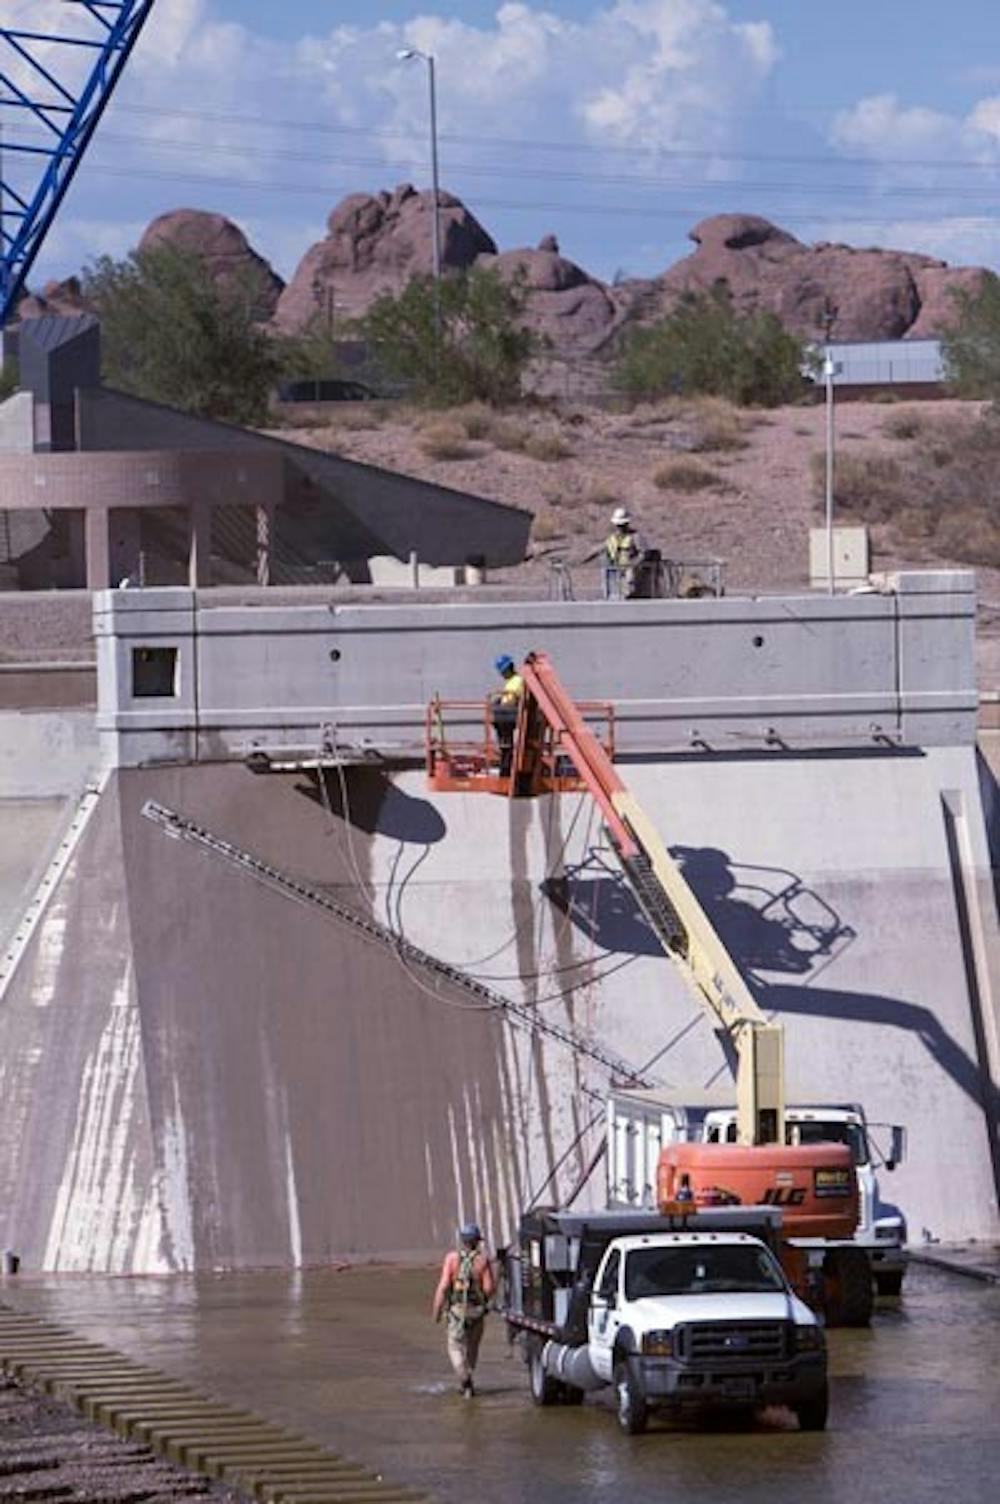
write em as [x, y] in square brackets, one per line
[197, 1073]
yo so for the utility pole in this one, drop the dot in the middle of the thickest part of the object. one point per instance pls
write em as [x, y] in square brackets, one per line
[829, 372]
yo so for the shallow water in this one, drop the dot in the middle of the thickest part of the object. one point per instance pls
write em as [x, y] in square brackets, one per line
[353, 1359]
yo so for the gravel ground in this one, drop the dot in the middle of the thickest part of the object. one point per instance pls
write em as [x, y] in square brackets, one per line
[48, 1452]
[756, 516]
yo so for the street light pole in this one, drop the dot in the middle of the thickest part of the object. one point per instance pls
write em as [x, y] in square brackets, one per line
[435, 185]
[407, 54]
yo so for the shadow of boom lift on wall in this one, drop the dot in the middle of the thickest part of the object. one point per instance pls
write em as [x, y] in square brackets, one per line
[770, 921]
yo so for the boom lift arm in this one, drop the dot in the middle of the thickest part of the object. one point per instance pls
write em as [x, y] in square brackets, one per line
[551, 730]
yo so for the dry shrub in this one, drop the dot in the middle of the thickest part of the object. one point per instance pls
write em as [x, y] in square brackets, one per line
[357, 419]
[871, 486]
[602, 498]
[970, 533]
[903, 426]
[509, 435]
[685, 475]
[718, 426]
[445, 440]
[546, 526]
[550, 447]
[477, 419]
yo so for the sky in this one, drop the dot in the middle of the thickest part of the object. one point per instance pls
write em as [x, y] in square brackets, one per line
[615, 124]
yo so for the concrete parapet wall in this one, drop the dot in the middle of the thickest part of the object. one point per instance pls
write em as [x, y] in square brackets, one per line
[894, 666]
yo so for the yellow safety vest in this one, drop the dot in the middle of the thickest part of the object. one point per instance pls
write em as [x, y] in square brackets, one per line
[621, 549]
[513, 689]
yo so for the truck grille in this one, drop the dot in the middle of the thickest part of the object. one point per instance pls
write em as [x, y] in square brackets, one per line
[735, 1341]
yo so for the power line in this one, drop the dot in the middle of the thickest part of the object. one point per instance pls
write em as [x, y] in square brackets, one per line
[692, 153]
[471, 169]
[972, 224]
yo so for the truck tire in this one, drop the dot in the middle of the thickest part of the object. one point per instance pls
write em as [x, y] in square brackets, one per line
[889, 1283]
[812, 1412]
[545, 1390]
[630, 1402]
[848, 1297]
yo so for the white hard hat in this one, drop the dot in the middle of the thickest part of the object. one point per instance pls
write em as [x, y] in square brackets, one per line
[620, 517]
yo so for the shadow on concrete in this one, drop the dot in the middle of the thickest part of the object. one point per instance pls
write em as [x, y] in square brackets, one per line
[371, 802]
[766, 916]
[875, 1008]
[770, 921]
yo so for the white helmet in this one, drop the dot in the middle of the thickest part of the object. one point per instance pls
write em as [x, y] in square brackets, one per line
[620, 517]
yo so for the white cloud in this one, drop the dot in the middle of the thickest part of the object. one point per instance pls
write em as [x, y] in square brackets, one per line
[654, 75]
[881, 128]
[947, 161]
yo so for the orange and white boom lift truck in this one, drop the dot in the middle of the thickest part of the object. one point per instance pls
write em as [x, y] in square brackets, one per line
[555, 750]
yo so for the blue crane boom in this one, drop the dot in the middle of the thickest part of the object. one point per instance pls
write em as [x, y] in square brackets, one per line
[54, 87]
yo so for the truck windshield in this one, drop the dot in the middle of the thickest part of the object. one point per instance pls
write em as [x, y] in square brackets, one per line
[809, 1131]
[700, 1271]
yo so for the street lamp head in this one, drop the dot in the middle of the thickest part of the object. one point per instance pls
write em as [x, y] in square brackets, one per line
[407, 54]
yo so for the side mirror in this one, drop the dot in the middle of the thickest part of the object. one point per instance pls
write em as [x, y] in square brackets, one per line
[897, 1149]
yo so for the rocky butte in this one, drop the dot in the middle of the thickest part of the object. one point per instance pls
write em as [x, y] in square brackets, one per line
[376, 242]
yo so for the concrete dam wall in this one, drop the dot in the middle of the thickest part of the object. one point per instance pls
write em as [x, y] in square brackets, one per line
[198, 1073]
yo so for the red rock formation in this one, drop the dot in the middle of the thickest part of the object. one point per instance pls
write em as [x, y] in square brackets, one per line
[876, 294]
[573, 311]
[222, 246]
[376, 243]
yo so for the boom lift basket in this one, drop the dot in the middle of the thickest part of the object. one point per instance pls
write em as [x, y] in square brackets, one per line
[464, 754]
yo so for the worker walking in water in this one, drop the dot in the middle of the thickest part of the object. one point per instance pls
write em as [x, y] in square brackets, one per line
[462, 1295]
[504, 706]
[623, 554]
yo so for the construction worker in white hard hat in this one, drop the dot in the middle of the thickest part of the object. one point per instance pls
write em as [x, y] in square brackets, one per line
[623, 552]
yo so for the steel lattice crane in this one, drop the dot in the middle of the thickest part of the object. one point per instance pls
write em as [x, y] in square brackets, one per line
[54, 87]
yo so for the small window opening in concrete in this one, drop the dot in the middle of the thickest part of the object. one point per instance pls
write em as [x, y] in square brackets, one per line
[154, 673]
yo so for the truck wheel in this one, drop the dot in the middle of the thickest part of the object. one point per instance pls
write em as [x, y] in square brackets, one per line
[545, 1390]
[633, 1411]
[890, 1283]
[847, 1288]
[812, 1413]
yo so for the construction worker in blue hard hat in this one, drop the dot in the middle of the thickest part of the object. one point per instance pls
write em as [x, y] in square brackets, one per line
[462, 1295]
[505, 704]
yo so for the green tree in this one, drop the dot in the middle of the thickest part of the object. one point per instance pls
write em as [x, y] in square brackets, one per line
[971, 347]
[705, 346]
[463, 340]
[174, 334]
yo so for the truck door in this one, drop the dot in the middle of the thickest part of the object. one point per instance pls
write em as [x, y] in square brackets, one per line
[605, 1314]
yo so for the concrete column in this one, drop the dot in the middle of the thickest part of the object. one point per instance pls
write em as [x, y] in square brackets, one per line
[97, 543]
[265, 542]
[200, 546]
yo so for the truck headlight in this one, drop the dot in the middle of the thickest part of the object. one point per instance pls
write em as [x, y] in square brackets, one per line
[808, 1339]
[658, 1344]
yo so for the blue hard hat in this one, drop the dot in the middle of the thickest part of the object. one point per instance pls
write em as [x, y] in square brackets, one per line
[469, 1232]
[503, 663]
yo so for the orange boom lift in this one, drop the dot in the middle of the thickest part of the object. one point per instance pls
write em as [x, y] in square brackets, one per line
[564, 746]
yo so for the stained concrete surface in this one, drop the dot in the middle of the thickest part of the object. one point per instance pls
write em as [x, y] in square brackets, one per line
[353, 1359]
[27, 829]
[201, 1074]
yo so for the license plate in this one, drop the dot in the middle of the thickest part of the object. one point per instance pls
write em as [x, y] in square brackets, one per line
[738, 1389]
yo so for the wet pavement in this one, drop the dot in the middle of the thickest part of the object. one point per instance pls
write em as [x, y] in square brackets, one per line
[352, 1358]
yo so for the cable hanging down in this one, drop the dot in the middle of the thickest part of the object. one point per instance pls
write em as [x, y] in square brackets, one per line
[181, 828]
